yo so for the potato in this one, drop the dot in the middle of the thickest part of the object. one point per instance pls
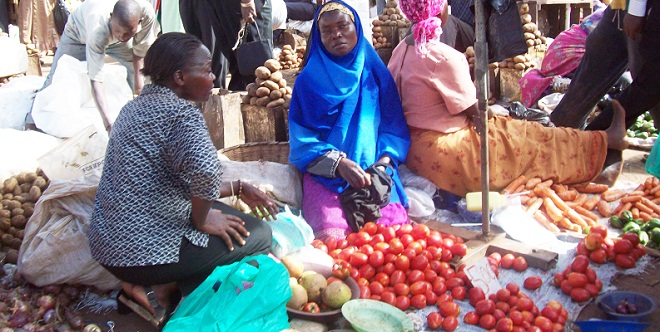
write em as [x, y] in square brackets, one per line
[492, 65]
[510, 65]
[20, 234]
[377, 22]
[289, 90]
[287, 97]
[17, 190]
[5, 213]
[18, 221]
[28, 211]
[22, 198]
[17, 211]
[5, 224]
[384, 17]
[30, 177]
[262, 72]
[283, 91]
[9, 185]
[519, 59]
[273, 65]
[40, 182]
[12, 256]
[525, 18]
[286, 47]
[524, 9]
[7, 239]
[282, 83]
[34, 194]
[275, 103]
[275, 94]
[472, 60]
[25, 187]
[376, 28]
[529, 27]
[253, 100]
[13, 204]
[530, 42]
[259, 81]
[529, 35]
[16, 243]
[8, 196]
[263, 101]
[537, 33]
[262, 91]
[245, 99]
[276, 76]
[519, 66]
[469, 51]
[270, 85]
[21, 178]
[501, 64]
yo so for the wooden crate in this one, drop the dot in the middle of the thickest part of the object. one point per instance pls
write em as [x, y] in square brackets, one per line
[385, 54]
[222, 113]
[264, 124]
[510, 84]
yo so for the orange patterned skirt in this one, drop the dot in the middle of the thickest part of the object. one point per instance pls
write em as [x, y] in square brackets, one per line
[515, 147]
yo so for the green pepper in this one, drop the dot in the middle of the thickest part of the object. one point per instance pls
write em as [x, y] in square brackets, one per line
[631, 227]
[655, 235]
[643, 238]
[653, 223]
[616, 222]
[626, 216]
[639, 222]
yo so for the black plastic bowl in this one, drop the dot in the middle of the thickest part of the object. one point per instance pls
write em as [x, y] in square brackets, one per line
[645, 305]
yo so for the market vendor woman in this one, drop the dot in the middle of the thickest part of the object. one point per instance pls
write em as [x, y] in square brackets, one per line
[156, 224]
[345, 123]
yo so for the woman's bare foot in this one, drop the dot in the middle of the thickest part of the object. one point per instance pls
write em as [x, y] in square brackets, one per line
[616, 133]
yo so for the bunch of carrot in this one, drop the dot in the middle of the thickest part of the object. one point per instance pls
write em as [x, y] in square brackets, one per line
[643, 202]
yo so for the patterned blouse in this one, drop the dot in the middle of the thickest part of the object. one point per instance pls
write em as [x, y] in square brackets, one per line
[159, 155]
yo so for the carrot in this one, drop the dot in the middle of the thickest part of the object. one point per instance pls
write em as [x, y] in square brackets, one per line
[591, 202]
[622, 207]
[592, 188]
[652, 205]
[565, 223]
[531, 183]
[613, 194]
[656, 200]
[586, 213]
[645, 216]
[576, 218]
[514, 184]
[558, 187]
[547, 192]
[635, 212]
[643, 208]
[552, 210]
[631, 199]
[604, 209]
[568, 195]
[542, 219]
[548, 183]
[524, 199]
[648, 184]
[637, 193]
[534, 206]
[654, 190]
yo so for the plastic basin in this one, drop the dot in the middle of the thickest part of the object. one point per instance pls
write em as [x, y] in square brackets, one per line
[608, 303]
[327, 316]
[376, 316]
[610, 326]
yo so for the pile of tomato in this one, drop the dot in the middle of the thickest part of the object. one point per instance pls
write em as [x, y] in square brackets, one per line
[600, 248]
[579, 280]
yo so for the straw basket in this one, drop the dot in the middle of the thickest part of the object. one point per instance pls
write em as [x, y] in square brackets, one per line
[259, 151]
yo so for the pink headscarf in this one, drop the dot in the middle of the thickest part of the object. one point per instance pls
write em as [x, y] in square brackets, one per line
[423, 14]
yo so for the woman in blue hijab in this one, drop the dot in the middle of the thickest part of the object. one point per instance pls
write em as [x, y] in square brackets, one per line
[345, 116]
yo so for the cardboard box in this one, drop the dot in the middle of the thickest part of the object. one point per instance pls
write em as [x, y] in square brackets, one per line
[510, 84]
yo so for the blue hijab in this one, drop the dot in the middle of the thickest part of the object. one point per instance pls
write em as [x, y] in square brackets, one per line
[350, 104]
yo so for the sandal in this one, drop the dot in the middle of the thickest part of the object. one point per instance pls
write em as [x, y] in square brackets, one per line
[126, 304]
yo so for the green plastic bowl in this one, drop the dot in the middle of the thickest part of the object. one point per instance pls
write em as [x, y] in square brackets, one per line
[376, 316]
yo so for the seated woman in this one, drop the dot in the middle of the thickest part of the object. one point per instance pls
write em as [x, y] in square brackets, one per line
[345, 116]
[156, 223]
[439, 101]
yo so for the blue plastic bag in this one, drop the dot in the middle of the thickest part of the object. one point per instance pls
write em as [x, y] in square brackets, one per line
[653, 161]
[290, 233]
[237, 297]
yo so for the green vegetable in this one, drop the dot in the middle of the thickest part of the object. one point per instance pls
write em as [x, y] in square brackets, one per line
[655, 235]
[643, 238]
[631, 227]
[653, 223]
[626, 216]
[616, 222]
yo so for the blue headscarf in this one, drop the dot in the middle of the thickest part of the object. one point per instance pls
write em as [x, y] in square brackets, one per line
[350, 104]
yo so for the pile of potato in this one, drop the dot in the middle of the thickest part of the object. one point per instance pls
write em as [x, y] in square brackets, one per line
[533, 36]
[390, 17]
[519, 62]
[290, 58]
[269, 89]
[19, 194]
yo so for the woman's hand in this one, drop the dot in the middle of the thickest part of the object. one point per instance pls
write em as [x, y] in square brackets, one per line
[226, 226]
[353, 173]
[248, 11]
[259, 202]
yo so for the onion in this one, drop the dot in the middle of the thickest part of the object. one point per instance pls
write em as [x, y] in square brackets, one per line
[71, 291]
[50, 316]
[63, 299]
[632, 308]
[18, 319]
[31, 327]
[46, 302]
[52, 289]
[6, 329]
[75, 321]
[92, 328]
[64, 327]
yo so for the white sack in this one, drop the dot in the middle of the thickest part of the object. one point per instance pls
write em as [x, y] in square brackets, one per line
[21, 151]
[13, 58]
[16, 99]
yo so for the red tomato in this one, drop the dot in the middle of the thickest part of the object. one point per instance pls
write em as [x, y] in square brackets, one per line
[358, 259]
[341, 244]
[376, 259]
[331, 243]
[476, 294]
[367, 271]
[458, 249]
[458, 293]
[397, 277]
[416, 247]
[370, 228]
[311, 307]
[485, 307]
[376, 239]
[431, 297]
[430, 275]
[415, 276]
[446, 271]
[598, 256]
[434, 320]
[387, 232]
[439, 287]
[341, 269]
[396, 247]
[418, 287]
[520, 264]
[623, 246]
[389, 268]
[638, 251]
[525, 304]
[504, 325]
[450, 323]
[406, 239]
[503, 294]
[454, 282]
[513, 288]
[577, 279]
[581, 249]
[533, 282]
[388, 297]
[516, 317]
[376, 288]
[402, 302]
[449, 308]
[420, 263]
[402, 263]
[593, 241]
[418, 301]
[600, 229]
[487, 321]
[383, 247]
[401, 289]
[580, 264]
[632, 237]
[361, 238]
[420, 231]
[580, 295]
[375, 297]
[404, 229]
[566, 287]
[434, 239]
[410, 253]
[365, 292]
[347, 252]
[367, 249]
[446, 255]
[507, 261]
[625, 261]
[543, 323]
[550, 313]
[471, 318]
[382, 277]
[445, 297]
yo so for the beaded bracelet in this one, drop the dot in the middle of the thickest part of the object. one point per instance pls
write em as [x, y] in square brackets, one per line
[240, 188]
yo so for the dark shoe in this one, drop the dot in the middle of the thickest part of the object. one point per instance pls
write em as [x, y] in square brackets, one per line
[126, 305]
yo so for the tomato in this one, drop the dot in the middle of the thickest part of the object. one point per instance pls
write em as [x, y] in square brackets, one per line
[533, 282]
[593, 241]
[402, 302]
[402, 263]
[624, 261]
[341, 269]
[559, 277]
[434, 239]
[592, 289]
[623, 246]
[504, 325]
[420, 231]
[543, 323]
[520, 264]
[367, 249]
[430, 275]
[487, 321]
[358, 259]
[580, 264]
[406, 239]
[503, 294]
[403, 229]
[383, 247]
[550, 313]
[375, 240]
[370, 228]
[577, 279]
[445, 297]
[434, 320]
[332, 279]
[598, 256]
[388, 297]
[436, 265]
[638, 251]
[498, 314]
[418, 301]
[382, 277]
[367, 271]
[410, 253]
[416, 247]
[471, 318]
[397, 277]
[418, 287]
[355, 274]
[341, 244]
[458, 293]
[632, 237]
[449, 308]
[581, 249]
[311, 307]
[454, 282]
[513, 288]
[485, 307]
[439, 287]
[396, 247]
[516, 317]
[389, 268]
[525, 304]
[507, 261]
[566, 287]
[446, 271]
[446, 255]
[504, 306]
[419, 263]
[580, 295]
[600, 229]
[450, 323]
[476, 294]
[376, 259]
[347, 252]
[431, 297]
[375, 297]
[458, 249]
[365, 292]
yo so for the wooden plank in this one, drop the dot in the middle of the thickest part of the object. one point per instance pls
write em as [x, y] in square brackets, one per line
[222, 114]
[264, 124]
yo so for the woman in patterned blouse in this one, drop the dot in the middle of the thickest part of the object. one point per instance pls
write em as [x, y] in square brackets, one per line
[156, 223]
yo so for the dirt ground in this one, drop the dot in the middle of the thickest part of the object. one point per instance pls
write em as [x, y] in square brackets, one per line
[647, 283]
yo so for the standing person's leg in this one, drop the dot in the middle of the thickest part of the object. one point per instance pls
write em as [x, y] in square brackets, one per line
[300, 10]
[604, 60]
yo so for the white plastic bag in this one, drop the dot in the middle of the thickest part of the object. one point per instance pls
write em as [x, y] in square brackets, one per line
[80, 155]
[520, 225]
[290, 233]
[13, 58]
[16, 100]
[55, 248]
[22, 149]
